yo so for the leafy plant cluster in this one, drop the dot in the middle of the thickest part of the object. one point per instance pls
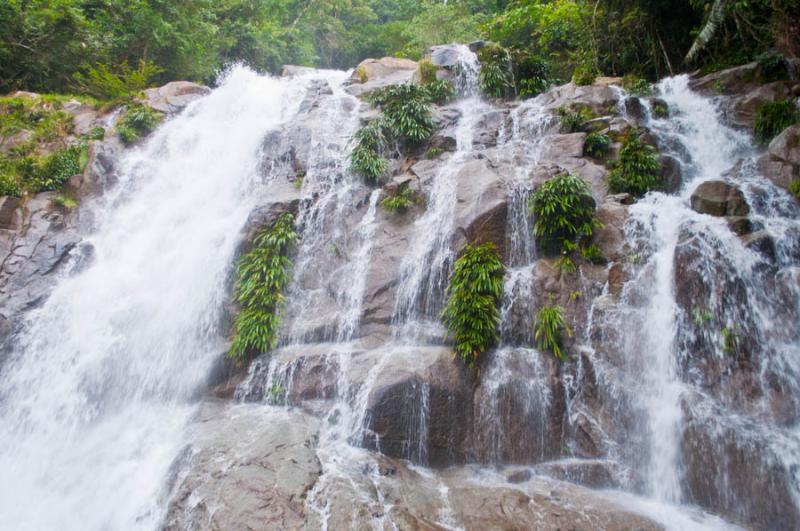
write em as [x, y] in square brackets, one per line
[773, 117]
[48, 155]
[119, 84]
[772, 66]
[496, 76]
[794, 188]
[550, 323]
[509, 72]
[596, 145]
[573, 118]
[636, 86]
[637, 171]
[403, 199]
[564, 212]
[474, 291]
[137, 121]
[406, 119]
[261, 275]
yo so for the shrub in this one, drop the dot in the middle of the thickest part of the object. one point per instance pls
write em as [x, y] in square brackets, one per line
[637, 86]
[367, 157]
[474, 291]
[772, 118]
[495, 77]
[402, 199]
[532, 74]
[53, 170]
[584, 75]
[636, 172]
[592, 253]
[104, 82]
[772, 66]
[550, 323]
[572, 119]
[433, 153]
[96, 133]
[406, 111]
[137, 121]
[564, 210]
[9, 183]
[596, 145]
[427, 72]
[439, 91]
[261, 275]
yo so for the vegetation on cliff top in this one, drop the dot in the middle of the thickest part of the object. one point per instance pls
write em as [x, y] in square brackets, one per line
[52, 45]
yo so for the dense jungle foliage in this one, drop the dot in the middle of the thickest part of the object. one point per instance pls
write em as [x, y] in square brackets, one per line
[55, 45]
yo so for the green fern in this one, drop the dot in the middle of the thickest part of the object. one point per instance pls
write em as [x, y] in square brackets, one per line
[261, 275]
[471, 314]
[564, 210]
[550, 323]
[716, 16]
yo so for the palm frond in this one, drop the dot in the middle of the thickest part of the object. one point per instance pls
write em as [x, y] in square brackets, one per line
[715, 19]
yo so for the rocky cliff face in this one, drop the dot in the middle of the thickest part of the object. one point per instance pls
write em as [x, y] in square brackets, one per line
[363, 418]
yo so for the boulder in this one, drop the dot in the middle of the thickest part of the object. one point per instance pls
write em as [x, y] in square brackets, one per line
[610, 237]
[600, 99]
[419, 406]
[781, 163]
[247, 467]
[743, 110]
[444, 55]
[737, 80]
[671, 173]
[174, 96]
[718, 198]
[371, 74]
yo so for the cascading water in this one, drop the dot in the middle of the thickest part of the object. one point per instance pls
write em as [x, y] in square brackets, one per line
[703, 300]
[96, 396]
[425, 268]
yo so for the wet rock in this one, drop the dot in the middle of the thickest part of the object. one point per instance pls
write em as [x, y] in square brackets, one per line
[718, 198]
[247, 468]
[174, 96]
[736, 80]
[420, 405]
[671, 173]
[445, 55]
[729, 471]
[466, 499]
[294, 70]
[488, 128]
[520, 476]
[781, 163]
[635, 109]
[761, 242]
[610, 237]
[592, 473]
[741, 225]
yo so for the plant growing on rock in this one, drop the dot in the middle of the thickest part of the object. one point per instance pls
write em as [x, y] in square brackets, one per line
[406, 111]
[773, 117]
[427, 71]
[53, 170]
[596, 145]
[550, 323]
[401, 200]
[564, 210]
[636, 172]
[474, 291]
[637, 86]
[117, 83]
[367, 158]
[772, 66]
[261, 275]
[439, 91]
[660, 109]
[584, 76]
[137, 122]
[572, 119]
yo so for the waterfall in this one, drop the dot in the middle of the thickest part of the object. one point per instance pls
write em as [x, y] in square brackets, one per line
[425, 269]
[711, 431]
[96, 396]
